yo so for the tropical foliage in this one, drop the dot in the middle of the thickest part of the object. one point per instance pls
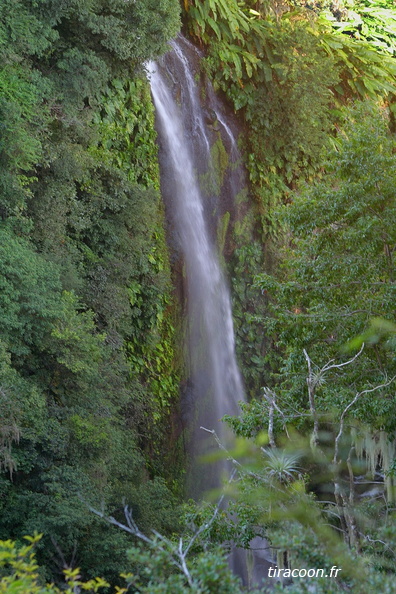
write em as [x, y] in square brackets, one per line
[285, 68]
[89, 367]
[86, 312]
[330, 365]
[338, 269]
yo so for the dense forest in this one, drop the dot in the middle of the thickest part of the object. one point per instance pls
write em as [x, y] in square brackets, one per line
[92, 461]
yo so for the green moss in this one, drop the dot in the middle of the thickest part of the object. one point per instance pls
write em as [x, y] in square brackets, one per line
[222, 231]
[219, 159]
[212, 181]
[219, 155]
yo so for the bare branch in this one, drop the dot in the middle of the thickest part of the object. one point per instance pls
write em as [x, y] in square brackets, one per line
[182, 557]
[311, 384]
[327, 367]
[348, 407]
[270, 397]
[242, 470]
[313, 380]
[134, 530]
[374, 540]
[208, 524]
[221, 446]
[231, 459]
[131, 528]
[309, 362]
[177, 554]
[271, 438]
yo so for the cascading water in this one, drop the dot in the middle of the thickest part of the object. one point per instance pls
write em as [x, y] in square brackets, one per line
[185, 140]
[191, 189]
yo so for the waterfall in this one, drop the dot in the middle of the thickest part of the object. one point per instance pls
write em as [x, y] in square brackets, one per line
[190, 186]
[185, 158]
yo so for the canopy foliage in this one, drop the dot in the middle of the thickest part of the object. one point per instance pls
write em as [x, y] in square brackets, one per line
[85, 314]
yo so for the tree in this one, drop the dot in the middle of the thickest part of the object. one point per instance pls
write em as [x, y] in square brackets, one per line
[19, 572]
[86, 339]
[285, 70]
[337, 269]
[190, 563]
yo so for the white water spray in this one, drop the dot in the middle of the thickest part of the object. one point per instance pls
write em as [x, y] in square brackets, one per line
[214, 373]
[215, 382]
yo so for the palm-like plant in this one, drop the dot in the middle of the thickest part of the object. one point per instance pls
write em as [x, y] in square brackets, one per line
[281, 466]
